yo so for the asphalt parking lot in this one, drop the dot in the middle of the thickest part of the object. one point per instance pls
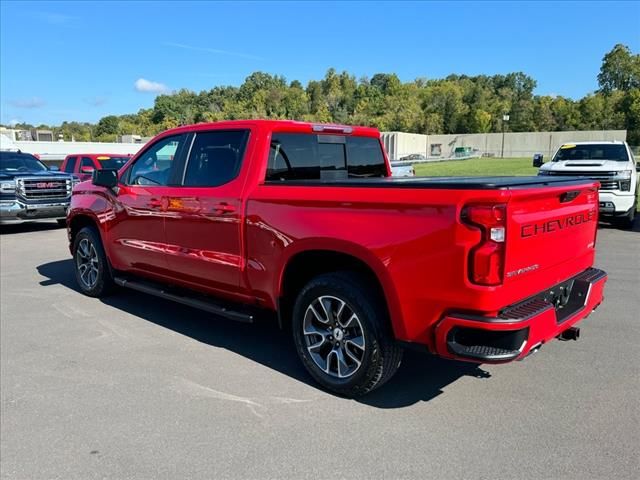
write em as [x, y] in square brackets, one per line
[136, 387]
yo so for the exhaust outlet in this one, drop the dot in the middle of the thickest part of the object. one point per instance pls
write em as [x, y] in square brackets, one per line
[572, 333]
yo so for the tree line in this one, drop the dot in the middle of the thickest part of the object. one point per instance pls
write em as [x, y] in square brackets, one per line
[455, 104]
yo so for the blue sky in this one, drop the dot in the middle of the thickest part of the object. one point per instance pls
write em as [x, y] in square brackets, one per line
[81, 61]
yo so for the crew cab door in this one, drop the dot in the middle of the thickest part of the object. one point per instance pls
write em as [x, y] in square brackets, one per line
[137, 238]
[204, 215]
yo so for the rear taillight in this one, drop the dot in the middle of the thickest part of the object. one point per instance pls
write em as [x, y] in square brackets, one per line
[486, 260]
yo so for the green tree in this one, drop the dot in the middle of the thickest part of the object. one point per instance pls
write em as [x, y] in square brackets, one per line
[107, 127]
[481, 121]
[620, 70]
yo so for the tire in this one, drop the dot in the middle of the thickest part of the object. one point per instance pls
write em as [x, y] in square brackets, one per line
[62, 222]
[626, 222]
[95, 280]
[342, 334]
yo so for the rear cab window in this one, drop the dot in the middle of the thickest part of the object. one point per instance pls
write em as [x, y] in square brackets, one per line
[302, 156]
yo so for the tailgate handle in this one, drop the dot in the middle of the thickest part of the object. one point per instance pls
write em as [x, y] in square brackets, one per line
[569, 196]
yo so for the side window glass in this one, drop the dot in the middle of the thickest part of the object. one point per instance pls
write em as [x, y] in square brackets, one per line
[293, 157]
[153, 167]
[215, 158]
[70, 167]
[86, 165]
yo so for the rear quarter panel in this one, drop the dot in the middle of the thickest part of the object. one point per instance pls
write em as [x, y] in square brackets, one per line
[412, 239]
[415, 242]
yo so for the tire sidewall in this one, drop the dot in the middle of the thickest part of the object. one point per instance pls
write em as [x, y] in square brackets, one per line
[368, 316]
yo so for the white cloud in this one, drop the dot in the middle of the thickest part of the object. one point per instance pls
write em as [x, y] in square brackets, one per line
[14, 122]
[33, 102]
[144, 85]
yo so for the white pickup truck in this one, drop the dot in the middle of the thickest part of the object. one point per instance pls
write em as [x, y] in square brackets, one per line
[612, 164]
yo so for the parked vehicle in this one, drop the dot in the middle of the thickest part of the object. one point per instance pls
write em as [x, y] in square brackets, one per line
[83, 164]
[414, 157]
[610, 163]
[403, 171]
[29, 190]
[303, 221]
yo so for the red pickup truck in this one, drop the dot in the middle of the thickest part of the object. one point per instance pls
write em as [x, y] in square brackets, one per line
[83, 164]
[241, 217]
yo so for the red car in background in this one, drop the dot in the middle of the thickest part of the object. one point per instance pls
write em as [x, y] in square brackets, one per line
[83, 164]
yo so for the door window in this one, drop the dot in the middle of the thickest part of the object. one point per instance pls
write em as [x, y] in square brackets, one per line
[86, 165]
[215, 158]
[71, 165]
[155, 165]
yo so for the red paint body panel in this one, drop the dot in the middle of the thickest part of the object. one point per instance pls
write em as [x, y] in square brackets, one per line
[237, 239]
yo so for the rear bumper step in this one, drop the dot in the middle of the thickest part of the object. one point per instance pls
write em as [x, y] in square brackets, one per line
[521, 328]
[192, 300]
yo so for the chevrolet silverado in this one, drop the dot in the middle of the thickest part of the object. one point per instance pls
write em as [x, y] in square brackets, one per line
[305, 221]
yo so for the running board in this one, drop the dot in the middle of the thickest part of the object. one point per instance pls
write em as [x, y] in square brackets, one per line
[185, 299]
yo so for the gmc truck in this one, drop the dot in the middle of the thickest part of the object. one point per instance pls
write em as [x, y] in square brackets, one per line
[305, 221]
[29, 190]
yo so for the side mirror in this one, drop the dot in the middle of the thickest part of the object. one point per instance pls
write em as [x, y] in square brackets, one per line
[87, 169]
[106, 177]
[54, 168]
[538, 160]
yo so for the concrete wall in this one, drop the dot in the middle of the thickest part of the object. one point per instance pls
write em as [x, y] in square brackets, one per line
[520, 144]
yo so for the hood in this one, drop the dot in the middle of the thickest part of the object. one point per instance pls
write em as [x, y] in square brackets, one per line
[49, 173]
[589, 165]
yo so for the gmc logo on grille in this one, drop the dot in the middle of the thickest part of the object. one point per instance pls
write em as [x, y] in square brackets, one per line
[46, 185]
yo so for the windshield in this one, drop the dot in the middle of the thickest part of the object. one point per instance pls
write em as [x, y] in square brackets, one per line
[592, 152]
[112, 162]
[20, 162]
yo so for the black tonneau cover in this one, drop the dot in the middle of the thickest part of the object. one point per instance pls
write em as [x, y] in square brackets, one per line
[453, 183]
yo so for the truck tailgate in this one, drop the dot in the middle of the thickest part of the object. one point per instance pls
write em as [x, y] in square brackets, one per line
[551, 233]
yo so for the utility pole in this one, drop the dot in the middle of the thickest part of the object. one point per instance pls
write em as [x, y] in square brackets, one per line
[505, 119]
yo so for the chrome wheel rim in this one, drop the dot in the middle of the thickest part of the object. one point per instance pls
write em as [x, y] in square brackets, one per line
[334, 336]
[87, 263]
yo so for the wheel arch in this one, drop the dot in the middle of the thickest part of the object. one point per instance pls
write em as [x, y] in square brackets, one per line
[78, 222]
[81, 220]
[311, 259]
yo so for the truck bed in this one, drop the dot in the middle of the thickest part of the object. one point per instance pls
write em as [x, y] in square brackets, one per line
[463, 183]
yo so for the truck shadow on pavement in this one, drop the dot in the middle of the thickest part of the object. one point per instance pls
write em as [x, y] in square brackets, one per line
[421, 377]
[28, 227]
[611, 226]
